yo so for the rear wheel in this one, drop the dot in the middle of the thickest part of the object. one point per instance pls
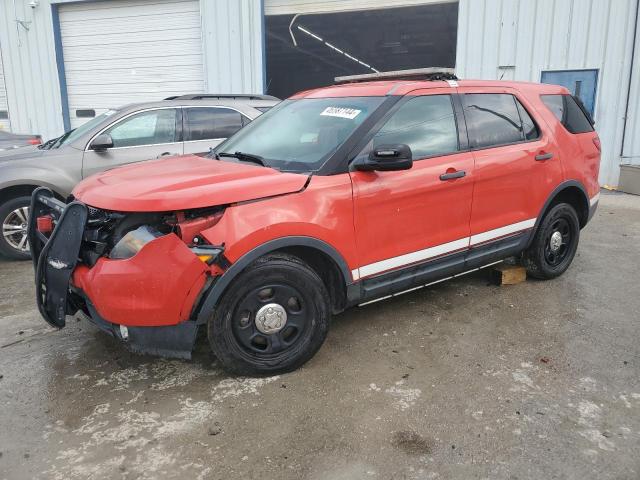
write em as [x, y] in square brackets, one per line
[273, 317]
[14, 215]
[554, 244]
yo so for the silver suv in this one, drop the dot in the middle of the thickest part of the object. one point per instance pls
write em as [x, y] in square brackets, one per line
[186, 124]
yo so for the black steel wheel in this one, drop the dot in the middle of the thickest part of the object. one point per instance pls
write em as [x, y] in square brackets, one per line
[554, 244]
[273, 317]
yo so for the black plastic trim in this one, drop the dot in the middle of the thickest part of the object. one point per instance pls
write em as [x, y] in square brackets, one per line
[440, 268]
[217, 288]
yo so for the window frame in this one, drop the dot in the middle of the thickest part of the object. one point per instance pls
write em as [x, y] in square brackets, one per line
[541, 133]
[244, 119]
[179, 132]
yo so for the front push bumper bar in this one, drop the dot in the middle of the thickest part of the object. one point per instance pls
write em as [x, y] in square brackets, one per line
[56, 257]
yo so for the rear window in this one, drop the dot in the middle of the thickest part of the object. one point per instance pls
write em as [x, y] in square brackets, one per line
[567, 110]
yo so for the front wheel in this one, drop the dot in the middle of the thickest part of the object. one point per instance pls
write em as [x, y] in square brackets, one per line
[272, 319]
[14, 214]
[554, 244]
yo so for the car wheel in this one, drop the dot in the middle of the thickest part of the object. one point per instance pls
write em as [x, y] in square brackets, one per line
[272, 318]
[14, 215]
[554, 244]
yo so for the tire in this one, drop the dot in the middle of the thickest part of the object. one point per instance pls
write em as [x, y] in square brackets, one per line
[281, 339]
[11, 218]
[546, 259]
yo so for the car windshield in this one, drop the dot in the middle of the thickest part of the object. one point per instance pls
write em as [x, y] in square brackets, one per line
[76, 133]
[300, 135]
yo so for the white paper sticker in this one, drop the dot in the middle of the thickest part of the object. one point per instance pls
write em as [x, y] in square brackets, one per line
[341, 112]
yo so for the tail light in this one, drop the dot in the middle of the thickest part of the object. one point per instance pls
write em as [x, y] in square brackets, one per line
[596, 142]
[35, 141]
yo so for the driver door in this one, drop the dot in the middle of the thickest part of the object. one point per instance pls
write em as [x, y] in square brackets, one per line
[144, 135]
[409, 217]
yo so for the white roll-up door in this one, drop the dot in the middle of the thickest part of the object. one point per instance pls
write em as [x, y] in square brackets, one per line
[291, 7]
[123, 51]
[4, 107]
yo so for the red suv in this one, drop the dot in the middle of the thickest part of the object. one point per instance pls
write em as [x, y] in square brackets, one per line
[336, 197]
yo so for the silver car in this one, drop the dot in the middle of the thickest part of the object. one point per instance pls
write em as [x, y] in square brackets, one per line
[178, 125]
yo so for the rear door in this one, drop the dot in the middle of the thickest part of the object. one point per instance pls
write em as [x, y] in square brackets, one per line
[144, 135]
[517, 164]
[206, 127]
[414, 216]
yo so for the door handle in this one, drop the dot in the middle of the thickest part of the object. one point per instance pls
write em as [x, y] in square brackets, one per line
[544, 156]
[164, 154]
[452, 175]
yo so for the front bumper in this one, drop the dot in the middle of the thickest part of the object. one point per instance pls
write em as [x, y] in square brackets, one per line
[152, 294]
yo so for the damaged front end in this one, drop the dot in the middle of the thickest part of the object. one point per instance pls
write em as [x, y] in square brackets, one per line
[137, 276]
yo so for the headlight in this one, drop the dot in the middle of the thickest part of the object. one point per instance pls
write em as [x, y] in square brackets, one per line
[133, 242]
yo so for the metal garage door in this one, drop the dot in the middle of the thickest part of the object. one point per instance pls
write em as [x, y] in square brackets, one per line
[123, 51]
[4, 108]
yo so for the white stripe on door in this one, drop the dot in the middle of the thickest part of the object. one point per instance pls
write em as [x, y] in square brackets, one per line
[439, 250]
[502, 231]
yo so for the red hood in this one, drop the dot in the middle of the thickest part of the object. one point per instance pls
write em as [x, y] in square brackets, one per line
[180, 183]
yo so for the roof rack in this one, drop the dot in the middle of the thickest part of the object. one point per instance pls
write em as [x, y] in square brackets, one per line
[431, 73]
[206, 96]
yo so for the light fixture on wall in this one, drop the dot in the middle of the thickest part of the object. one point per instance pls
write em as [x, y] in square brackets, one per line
[34, 3]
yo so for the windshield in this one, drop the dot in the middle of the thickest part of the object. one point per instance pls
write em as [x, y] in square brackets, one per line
[73, 135]
[300, 135]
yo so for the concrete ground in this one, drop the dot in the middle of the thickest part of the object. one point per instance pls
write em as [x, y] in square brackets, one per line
[463, 380]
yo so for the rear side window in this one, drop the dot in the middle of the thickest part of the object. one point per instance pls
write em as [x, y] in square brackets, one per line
[567, 110]
[427, 124]
[206, 123]
[497, 119]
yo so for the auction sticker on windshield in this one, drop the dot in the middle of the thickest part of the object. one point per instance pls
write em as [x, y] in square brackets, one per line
[341, 112]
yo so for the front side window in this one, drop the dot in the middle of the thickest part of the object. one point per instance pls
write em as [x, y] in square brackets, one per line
[206, 123]
[493, 119]
[145, 128]
[300, 135]
[426, 124]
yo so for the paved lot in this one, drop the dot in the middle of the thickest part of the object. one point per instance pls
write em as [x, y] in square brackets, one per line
[463, 380]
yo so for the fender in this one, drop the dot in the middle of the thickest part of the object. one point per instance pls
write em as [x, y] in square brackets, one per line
[211, 297]
[551, 198]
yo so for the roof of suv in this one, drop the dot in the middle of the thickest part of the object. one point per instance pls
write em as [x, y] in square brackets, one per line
[382, 88]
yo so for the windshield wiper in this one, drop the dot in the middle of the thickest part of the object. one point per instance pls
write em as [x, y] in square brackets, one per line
[245, 156]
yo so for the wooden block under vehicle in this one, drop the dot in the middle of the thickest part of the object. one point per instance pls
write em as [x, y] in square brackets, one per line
[504, 274]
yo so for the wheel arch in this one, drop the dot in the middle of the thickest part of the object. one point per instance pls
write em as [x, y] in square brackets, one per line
[21, 190]
[571, 192]
[319, 255]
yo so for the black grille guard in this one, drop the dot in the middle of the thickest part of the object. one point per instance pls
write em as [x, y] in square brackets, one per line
[55, 257]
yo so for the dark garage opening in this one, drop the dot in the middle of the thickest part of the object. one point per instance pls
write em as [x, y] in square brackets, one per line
[351, 43]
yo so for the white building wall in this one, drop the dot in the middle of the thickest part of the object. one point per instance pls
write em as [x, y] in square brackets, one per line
[518, 39]
[232, 49]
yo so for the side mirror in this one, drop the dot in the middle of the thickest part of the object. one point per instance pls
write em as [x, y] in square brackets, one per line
[101, 143]
[386, 158]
